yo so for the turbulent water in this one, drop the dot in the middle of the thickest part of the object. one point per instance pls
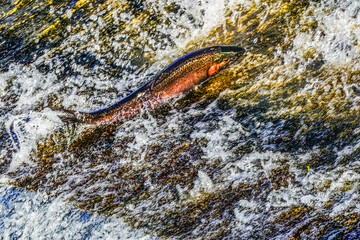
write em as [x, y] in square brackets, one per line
[268, 149]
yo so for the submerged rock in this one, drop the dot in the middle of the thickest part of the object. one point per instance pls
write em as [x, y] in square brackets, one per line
[269, 148]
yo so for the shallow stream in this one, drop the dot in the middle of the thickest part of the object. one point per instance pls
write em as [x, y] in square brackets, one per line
[267, 149]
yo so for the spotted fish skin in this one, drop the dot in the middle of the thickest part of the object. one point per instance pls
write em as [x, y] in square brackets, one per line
[179, 77]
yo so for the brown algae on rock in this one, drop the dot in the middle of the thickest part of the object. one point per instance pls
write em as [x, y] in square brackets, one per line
[157, 179]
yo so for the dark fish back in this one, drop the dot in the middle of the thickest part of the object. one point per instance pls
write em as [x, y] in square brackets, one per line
[192, 62]
[127, 99]
[191, 56]
[184, 65]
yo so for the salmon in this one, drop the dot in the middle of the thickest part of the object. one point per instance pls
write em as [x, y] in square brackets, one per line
[179, 77]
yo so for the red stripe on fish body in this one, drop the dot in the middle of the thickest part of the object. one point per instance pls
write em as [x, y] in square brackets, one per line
[179, 77]
[183, 84]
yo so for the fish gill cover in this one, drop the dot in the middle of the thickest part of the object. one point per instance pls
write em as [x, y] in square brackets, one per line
[268, 149]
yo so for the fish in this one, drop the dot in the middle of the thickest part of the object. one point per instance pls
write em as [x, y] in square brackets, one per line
[179, 77]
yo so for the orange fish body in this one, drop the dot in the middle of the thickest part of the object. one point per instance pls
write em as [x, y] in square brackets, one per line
[179, 77]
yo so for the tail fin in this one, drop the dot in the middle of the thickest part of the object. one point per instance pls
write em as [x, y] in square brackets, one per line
[70, 116]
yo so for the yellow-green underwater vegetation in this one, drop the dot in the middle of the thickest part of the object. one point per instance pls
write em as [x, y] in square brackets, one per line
[267, 149]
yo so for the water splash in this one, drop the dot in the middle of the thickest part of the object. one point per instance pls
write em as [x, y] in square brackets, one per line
[267, 149]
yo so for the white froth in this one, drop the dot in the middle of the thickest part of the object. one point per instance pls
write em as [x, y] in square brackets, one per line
[335, 37]
[3, 84]
[202, 184]
[346, 151]
[335, 42]
[219, 139]
[30, 129]
[32, 215]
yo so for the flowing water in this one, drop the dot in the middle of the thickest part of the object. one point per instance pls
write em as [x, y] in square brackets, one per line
[268, 149]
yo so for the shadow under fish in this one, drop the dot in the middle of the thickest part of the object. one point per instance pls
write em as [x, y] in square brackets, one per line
[179, 77]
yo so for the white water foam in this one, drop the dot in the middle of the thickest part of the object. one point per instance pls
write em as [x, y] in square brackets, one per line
[29, 129]
[30, 215]
[334, 40]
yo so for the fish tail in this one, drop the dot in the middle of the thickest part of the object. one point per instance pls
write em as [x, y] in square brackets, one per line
[70, 116]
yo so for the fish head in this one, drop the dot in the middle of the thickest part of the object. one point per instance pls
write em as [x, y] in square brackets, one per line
[224, 58]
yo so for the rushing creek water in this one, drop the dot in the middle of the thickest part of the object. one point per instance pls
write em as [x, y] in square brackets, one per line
[267, 149]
